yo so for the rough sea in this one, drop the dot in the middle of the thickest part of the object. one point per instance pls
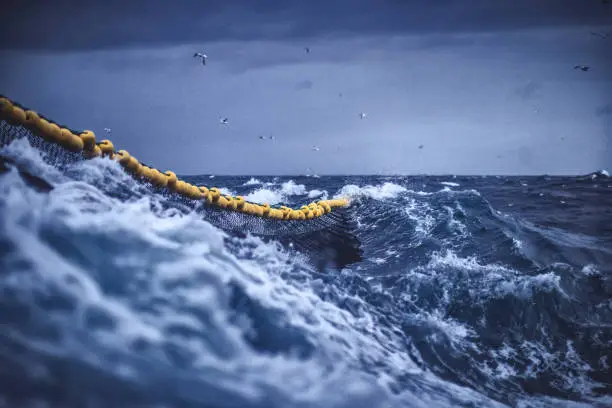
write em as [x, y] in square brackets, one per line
[472, 292]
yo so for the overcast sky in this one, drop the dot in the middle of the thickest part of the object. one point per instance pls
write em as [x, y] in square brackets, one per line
[486, 87]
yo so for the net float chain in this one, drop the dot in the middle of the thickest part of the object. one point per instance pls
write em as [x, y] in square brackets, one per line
[85, 142]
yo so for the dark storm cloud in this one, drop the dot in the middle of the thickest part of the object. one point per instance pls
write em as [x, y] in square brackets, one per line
[73, 24]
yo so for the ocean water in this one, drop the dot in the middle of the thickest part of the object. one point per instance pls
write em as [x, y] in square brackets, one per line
[472, 292]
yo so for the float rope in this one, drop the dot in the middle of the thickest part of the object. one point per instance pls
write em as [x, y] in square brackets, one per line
[84, 143]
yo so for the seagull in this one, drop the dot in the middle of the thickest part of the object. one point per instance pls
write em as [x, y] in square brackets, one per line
[202, 56]
[363, 115]
[107, 130]
[262, 137]
[315, 148]
[583, 68]
[307, 50]
[271, 138]
[421, 146]
[224, 121]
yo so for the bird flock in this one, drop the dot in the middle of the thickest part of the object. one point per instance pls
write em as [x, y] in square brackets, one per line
[363, 115]
[225, 121]
[598, 34]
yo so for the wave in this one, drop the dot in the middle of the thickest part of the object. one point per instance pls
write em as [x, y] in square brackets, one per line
[111, 297]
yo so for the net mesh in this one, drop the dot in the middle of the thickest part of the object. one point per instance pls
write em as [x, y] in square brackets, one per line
[327, 240]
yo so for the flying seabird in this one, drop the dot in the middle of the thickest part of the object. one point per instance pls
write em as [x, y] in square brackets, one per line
[421, 146]
[202, 56]
[307, 50]
[583, 68]
[224, 121]
[315, 148]
[363, 115]
[107, 130]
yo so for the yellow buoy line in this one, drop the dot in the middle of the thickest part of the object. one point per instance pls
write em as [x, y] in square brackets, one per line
[85, 143]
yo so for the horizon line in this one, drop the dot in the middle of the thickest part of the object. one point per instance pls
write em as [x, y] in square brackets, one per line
[398, 175]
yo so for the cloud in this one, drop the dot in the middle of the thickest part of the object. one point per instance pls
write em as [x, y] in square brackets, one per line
[78, 24]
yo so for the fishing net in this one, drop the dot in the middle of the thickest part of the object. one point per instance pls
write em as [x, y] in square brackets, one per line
[327, 239]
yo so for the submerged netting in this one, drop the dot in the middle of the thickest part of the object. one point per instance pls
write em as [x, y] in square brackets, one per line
[324, 230]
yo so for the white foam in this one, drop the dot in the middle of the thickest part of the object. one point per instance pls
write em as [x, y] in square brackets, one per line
[252, 181]
[226, 191]
[454, 330]
[454, 224]
[421, 214]
[182, 262]
[381, 192]
[263, 195]
[591, 270]
[290, 188]
[164, 278]
[277, 195]
[498, 280]
[30, 159]
[317, 193]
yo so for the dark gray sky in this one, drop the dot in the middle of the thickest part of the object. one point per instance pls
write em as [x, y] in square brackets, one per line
[487, 87]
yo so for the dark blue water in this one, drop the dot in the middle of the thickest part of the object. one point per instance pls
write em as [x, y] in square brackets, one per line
[473, 291]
